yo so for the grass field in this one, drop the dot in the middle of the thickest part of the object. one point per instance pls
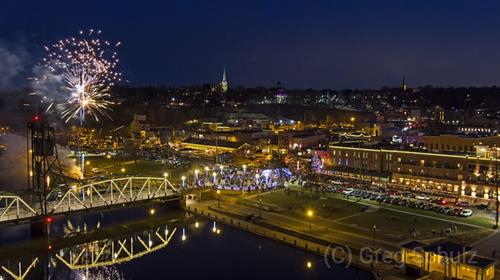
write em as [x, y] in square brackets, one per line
[361, 215]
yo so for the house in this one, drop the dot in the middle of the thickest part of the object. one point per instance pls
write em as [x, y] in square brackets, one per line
[445, 260]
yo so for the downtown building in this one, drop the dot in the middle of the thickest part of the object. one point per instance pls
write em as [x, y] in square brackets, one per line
[456, 174]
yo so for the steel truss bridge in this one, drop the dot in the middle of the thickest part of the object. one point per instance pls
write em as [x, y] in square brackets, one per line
[94, 254]
[107, 193]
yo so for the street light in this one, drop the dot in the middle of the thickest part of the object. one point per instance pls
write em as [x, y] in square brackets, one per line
[214, 175]
[256, 179]
[183, 181]
[221, 168]
[165, 174]
[310, 214]
[218, 198]
[196, 172]
[260, 207]
[244, 168]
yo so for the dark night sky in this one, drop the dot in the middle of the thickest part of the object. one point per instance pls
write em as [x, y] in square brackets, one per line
[317, 44]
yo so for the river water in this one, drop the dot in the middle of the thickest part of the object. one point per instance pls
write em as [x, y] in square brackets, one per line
[169, 243]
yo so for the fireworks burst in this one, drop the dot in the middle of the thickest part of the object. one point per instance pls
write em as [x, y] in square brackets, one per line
[87, 65]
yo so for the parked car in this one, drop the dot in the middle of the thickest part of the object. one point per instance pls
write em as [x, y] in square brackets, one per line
[463, 204]
[422, 197]
[348, 191]
[466, 213]
[482, 207]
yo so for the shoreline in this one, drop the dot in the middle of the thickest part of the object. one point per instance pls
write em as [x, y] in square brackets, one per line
[333, 254]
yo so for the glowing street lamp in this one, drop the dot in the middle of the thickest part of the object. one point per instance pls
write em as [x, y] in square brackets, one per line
[183, 178]
[310, 215]
[221, 168]
[165, 174]
[214, 175]
[298, 165]
[214, 228]
[244, 168]
[218, 198]
[206, 171]
[196, 172]
[256, 179]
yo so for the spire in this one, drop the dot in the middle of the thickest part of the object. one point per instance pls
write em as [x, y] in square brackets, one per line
[404, 86]
[223, 84]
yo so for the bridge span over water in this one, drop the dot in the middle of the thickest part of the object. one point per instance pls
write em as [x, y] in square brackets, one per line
[110, 193]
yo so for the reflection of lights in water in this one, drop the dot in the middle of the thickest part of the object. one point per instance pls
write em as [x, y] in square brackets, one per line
[166, 230]
[102, 273]
[196, 225]
[309, 264]
[183, 234]
[214, 228]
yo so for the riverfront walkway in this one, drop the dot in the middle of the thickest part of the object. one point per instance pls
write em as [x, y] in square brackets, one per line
[348, 251]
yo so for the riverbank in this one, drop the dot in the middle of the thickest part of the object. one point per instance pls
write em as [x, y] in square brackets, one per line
[332, 253]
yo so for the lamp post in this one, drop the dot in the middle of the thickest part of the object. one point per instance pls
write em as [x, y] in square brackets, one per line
[196, 172]
[310, 214]
[221, 169]
[218, 198]
[260, 207]
[206, 171]
[374, 230]
[244, 168]
[497, 202]
[215, 176]
[256, 179]
[183, 181]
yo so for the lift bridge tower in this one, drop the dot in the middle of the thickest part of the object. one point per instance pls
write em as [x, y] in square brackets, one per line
[44, 167]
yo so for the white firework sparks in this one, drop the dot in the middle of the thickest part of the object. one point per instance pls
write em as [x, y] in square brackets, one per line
[87, 66]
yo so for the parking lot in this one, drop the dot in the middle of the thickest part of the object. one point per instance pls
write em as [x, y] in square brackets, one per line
[408, 201]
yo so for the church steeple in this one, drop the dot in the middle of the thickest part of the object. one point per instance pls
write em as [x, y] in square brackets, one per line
[404, 86]
[223, 84]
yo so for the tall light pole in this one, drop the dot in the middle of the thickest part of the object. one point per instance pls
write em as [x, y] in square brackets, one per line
[310, 214]
[206, 171]
[183, 181]
[260, 207]
[497, 202]
[196, 172]
[218, 198]
[214, 175]
[244, 168]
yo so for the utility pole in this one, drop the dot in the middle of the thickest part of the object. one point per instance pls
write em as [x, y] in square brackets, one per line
[497, 202]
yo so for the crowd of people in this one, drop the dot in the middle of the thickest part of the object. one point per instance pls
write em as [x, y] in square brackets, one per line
[239, 179]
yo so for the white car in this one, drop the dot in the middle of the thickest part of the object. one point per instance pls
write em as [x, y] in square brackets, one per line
[466, 213]
[348, 191]
[422, 197]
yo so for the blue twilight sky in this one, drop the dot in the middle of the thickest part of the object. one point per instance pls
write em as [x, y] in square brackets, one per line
[319, 44]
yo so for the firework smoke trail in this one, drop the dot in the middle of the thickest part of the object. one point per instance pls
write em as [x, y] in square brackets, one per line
[87, 65]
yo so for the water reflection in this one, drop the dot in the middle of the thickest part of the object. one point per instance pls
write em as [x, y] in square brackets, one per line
[91, 260]
[108, 252]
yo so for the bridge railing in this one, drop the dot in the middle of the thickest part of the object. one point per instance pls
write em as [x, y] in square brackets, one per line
[14, 208]
[103, 193]
[112, 192]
